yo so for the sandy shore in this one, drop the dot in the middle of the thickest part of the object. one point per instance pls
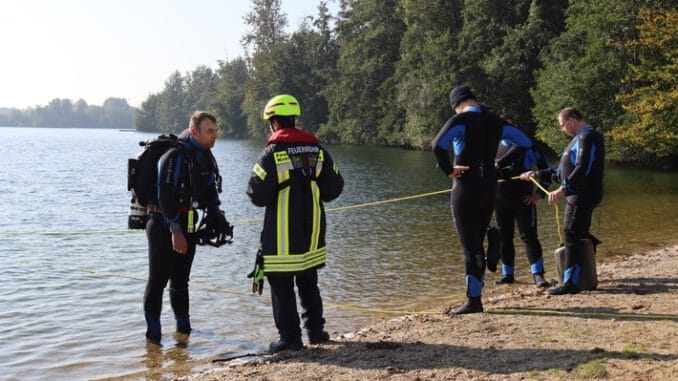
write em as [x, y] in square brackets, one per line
[625, 330]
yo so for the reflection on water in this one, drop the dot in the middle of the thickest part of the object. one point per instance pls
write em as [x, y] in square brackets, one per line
[71, 305]
[172, 361]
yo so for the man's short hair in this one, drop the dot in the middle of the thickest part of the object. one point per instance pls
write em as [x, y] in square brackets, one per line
[570, 113]
[198, 117]
[285, 121]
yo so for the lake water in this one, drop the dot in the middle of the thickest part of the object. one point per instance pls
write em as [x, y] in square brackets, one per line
[71, 304]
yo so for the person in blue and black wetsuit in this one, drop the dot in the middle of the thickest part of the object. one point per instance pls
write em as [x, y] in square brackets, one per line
[581, 176]
[474, 134]
[187, 179]
[516, 203]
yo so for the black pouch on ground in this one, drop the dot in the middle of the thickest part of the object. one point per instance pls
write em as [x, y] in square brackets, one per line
[588, 277]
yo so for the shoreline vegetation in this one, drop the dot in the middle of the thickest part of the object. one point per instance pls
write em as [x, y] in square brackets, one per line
[627, 329]
[379, 72]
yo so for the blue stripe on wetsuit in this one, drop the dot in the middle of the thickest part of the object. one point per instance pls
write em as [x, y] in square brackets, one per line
[515, 137]
[454, 137]
[571, 275]
[574, 153]
[474, 286]
[593, 157]
[538, 266]
[507, 270]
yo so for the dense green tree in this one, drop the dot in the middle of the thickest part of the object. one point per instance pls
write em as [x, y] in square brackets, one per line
[369, 35]
[118, 113]
[64, 113]
[382, 72]
[584, 69]
[266, 38]
[650, 119]
[426, 70]
[199, 88]
[268, 23]
[228, 97]
[147, 116]
[485, 26]
[172, 114]
[511, 65]
[82, 115]
[304, 64]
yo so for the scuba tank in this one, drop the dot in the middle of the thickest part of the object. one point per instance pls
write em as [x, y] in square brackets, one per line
[137, 215]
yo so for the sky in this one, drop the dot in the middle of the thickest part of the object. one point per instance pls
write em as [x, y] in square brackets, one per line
[95, 49]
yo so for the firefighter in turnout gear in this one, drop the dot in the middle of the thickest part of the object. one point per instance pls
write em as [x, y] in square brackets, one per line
[292, 178]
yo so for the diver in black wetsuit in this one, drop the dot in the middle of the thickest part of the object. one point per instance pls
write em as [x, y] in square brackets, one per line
[581, 175]
[474, 134]
[516, 204]
[187, 179]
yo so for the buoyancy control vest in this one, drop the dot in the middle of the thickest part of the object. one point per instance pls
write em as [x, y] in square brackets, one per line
[142, 176]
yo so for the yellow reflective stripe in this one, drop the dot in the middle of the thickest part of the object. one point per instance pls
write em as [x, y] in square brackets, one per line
[283, 221]
[315, 233]
[283, 165]
[283, 175]
[294, 258]
[281, 157]
[336, 169]
[260, 171]
[294, 262]
[319, 163]
[293, 268]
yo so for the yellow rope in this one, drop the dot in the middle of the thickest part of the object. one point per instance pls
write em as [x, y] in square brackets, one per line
[603, 315]
[239, 222]
[560, 231]
[501, 311]
[388, 201]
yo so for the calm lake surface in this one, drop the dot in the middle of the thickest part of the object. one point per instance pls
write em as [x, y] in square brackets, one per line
[71, 304]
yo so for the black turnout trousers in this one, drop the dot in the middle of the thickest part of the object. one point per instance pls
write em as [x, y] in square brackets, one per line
[285, 303]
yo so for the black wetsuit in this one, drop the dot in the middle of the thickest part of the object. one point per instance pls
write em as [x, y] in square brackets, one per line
[581, 175]
[511, 208]
[474, 134]
[184, 183]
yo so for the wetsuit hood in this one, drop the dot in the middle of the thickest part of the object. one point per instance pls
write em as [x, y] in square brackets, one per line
[291, 135]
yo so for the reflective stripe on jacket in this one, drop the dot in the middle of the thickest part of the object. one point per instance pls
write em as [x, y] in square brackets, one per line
[292, 178]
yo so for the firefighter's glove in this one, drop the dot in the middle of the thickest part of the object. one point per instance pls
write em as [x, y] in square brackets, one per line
[257, 274]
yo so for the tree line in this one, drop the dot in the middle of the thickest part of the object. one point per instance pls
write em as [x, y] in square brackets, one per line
[379, 72]
[113, 113]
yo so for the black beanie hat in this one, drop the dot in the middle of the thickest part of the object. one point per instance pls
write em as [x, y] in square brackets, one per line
[460, 93]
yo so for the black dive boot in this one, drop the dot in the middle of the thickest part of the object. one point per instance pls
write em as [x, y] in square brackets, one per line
[153, 330]
[507, 279]
[473, 305]
[183, 325]
[281, 345]
[567, 288]
[318, 337]
[539, 281]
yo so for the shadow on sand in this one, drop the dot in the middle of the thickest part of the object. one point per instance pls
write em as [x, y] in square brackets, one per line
[403, 357]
